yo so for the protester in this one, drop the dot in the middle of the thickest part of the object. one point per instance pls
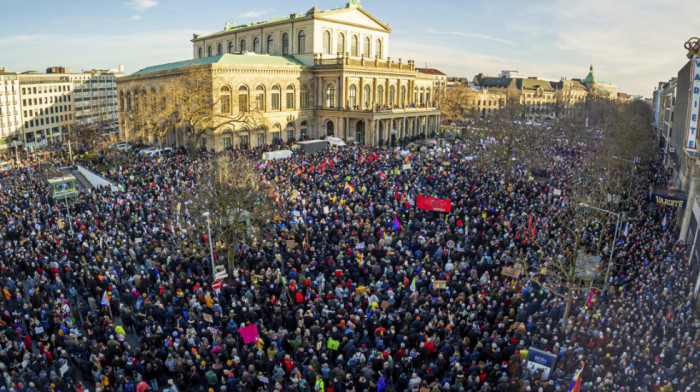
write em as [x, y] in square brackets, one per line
[117, 301]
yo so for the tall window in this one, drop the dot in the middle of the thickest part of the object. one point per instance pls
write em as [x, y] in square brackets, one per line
[290, 131]
[341, 43]
[260, 98]
[352, 96]
[260, 139]
[209, 51]
[330, 96]
[327, 42]
[290, 97]
[353, 46]
[301, 48]
[243, 99]
[392, 92]
[230, 47]
[403, 95]
[227, 142]
[366, 97]
[365, 50]
[380, 95]
[285, 44]
[379, 49]
[270, 44]
[304, 98]
[256, 45]
[243, 46]
[275, 97]
[199, 52]
[219, 49]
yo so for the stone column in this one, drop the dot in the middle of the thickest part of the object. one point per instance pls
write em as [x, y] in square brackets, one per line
[319, 92]
[361, 93]
[693, 171]
[347, 87]
[374, 93]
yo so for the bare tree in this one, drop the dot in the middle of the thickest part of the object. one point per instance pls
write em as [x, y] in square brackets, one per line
[457, 102]
[242, 206]
[195, 101]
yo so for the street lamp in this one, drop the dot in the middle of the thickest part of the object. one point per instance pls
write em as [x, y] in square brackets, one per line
[211, 246]
[617, 230]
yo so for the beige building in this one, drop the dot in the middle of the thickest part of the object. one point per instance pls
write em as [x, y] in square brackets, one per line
[311, 75]
[10, 113]
[36, 108]
[535, 97]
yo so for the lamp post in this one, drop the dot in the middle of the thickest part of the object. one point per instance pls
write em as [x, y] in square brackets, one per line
[617, 230]
[211, 246]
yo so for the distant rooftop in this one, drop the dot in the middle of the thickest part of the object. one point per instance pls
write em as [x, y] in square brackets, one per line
[430, 71]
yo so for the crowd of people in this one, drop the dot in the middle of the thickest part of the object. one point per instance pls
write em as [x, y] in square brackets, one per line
[115, 299]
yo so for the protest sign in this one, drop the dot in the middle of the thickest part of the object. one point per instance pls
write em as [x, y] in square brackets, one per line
[434, 204]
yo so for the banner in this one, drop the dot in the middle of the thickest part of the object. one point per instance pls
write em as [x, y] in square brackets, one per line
[668, 200]
[249, 334]
[694, 105]
[333, 344]
[433, 204]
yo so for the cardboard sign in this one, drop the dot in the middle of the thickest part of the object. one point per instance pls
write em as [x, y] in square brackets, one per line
[439, 284]
[159, 249]
[385, 304]
[513, 272]
[60, 225]
[291, 244]
[207, 317]
[333, 344]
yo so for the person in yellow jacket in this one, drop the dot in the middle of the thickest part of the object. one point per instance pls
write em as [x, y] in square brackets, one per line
[319, 386]
[119, 330]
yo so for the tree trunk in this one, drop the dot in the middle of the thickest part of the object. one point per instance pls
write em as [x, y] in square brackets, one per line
[567, 309]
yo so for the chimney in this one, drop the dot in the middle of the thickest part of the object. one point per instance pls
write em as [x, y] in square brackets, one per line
[121, 68]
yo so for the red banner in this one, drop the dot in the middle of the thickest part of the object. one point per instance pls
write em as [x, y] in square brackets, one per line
[433, 204]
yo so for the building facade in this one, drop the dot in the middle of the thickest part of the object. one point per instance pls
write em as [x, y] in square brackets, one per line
[10, 113]
[48, 104]
[310, 75]
[534, 97]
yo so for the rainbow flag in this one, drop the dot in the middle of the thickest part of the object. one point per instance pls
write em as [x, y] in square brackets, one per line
[349, 187]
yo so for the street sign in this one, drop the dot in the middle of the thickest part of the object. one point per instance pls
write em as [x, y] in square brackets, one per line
[216, 285]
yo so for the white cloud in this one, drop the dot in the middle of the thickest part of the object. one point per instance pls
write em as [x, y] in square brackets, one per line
[254, 13]
[136, 17]
[471, 35]
[141, 5]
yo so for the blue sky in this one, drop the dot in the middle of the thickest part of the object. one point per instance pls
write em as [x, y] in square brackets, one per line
[633, 43]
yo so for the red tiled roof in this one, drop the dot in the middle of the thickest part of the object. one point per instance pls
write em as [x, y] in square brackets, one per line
[430, 71]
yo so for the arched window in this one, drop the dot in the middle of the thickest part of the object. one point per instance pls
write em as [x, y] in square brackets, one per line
[219, 50]
[230, 47]
[199, 52]
[365, 50]
[352, 96]
[341, 43]
[260, 98]
[225, 100]
[330, 96]
[379, 49]
[275, 97]
[392, 93]
[285, 44]
[301, 48]
[209, 51]
[256, 45]
[243, 99]
[353, 46]
[289, 99]
[270, 44]
[380, 95]
[366, 97]
[290, 131]
[327, 42]
[403, 95]
[304, 98]
[303, 130]
[242, 47]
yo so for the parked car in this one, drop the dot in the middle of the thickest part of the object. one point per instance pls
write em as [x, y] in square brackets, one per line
[123, 146]
[145, 151]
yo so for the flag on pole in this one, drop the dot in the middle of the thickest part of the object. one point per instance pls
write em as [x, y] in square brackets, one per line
[249, 334]
[413, 284]
[627, 229]
[349, 187]
[105, 299]
[576, 384]
[361, 259]
[664, 222]
[382, 176]
[397, 225]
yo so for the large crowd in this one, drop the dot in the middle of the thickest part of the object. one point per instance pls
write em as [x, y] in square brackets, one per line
[113, 300]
